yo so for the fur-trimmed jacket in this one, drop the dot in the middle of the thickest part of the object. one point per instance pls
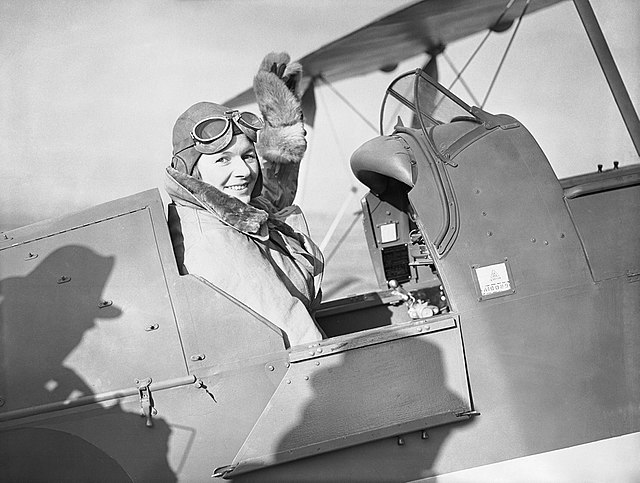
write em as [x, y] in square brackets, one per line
[251, 252]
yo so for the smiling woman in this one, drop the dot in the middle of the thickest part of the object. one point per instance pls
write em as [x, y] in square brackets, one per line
[232, 181]
[234, 171]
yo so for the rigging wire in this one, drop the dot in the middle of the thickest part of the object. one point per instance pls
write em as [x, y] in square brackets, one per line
[462, 81]
[504, 56]
[343, 238]
[351, 106]
[353, 190]
[464, 67]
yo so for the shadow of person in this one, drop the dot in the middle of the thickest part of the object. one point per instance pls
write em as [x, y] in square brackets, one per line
[44, 315]
[352, 401]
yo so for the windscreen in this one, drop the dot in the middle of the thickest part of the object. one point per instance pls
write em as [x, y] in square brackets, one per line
[413, 97]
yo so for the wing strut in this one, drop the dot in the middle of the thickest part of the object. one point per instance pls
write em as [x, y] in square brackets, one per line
[611, 72]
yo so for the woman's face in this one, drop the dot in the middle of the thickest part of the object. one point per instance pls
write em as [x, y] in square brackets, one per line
[233, 171]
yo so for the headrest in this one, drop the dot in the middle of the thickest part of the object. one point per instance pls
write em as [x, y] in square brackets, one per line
[383, 158]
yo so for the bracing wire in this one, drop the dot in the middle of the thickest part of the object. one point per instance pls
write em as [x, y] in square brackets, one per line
[504, 56]
[346, 202]
[473, 54]
[351, 106]
[462, 81]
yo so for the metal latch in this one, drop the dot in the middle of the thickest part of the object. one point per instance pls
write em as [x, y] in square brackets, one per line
[223, 471]
[467, 414]
[146, 400]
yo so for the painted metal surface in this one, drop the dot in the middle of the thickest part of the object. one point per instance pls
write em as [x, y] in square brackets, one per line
[351, 390]
[153, 387]
[612, 245]
[82, 306]
[587, 462]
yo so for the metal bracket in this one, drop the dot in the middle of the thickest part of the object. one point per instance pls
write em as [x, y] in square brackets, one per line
[223, 471]
[467, 414]
[146, 400]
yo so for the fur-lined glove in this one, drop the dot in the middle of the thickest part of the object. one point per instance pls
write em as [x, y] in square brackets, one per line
[275, 85]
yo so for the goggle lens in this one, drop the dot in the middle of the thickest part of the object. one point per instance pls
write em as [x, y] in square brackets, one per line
[209, 130]
[249, 119]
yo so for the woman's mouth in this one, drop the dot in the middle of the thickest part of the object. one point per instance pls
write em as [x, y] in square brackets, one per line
[238, 187]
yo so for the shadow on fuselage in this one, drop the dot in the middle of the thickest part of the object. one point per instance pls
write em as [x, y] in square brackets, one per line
[43, 320]
[334, 412]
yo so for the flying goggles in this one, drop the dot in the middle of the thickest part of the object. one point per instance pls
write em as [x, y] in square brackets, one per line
[213, 134]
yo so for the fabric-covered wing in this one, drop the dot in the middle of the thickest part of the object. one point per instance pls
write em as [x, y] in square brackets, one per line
[409, 31]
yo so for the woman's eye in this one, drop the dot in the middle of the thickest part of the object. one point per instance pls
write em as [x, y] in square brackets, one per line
[251, 157]
[222, 161]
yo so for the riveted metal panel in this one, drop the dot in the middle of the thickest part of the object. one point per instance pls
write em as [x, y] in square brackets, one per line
[85, 306]
[352, 389]
[609, 226]
[511, 206]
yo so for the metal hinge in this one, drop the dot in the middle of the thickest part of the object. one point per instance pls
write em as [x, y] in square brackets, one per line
[633, 276]
[223, 471]
[467, 414]
[146, 401]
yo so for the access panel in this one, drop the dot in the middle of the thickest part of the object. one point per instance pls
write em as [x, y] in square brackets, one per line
[85, 308]
[356, 388]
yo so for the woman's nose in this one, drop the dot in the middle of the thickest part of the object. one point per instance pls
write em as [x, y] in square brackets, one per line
[240, 168]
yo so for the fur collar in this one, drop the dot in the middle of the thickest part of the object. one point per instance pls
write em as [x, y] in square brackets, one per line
[241, 216]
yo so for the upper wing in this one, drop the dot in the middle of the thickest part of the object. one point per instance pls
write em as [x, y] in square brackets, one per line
[418, 28]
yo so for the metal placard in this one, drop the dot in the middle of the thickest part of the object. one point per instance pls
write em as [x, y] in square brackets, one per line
[494, 280]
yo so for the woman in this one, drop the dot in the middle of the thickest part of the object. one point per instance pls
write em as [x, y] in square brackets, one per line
[232, 180]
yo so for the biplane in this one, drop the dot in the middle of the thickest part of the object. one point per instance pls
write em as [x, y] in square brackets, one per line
[501, 343]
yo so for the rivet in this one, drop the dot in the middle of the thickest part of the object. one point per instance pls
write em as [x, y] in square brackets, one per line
[477, 192]
[151, 327]
[489, 233]
[306, 378]
[533, 240]
[288, 381]
[419, 329]
[311, 353]
[484, 213]
[425, 435]
[388, 213]
[197, 357]
[319, 350]
[288, 364]
[105, 303]
[317, 363]
[64, 279]
[400, 441]
[271, 368]
[561, 235]
[546, 242]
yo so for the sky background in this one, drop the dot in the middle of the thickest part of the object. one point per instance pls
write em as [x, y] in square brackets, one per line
[89, 92]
